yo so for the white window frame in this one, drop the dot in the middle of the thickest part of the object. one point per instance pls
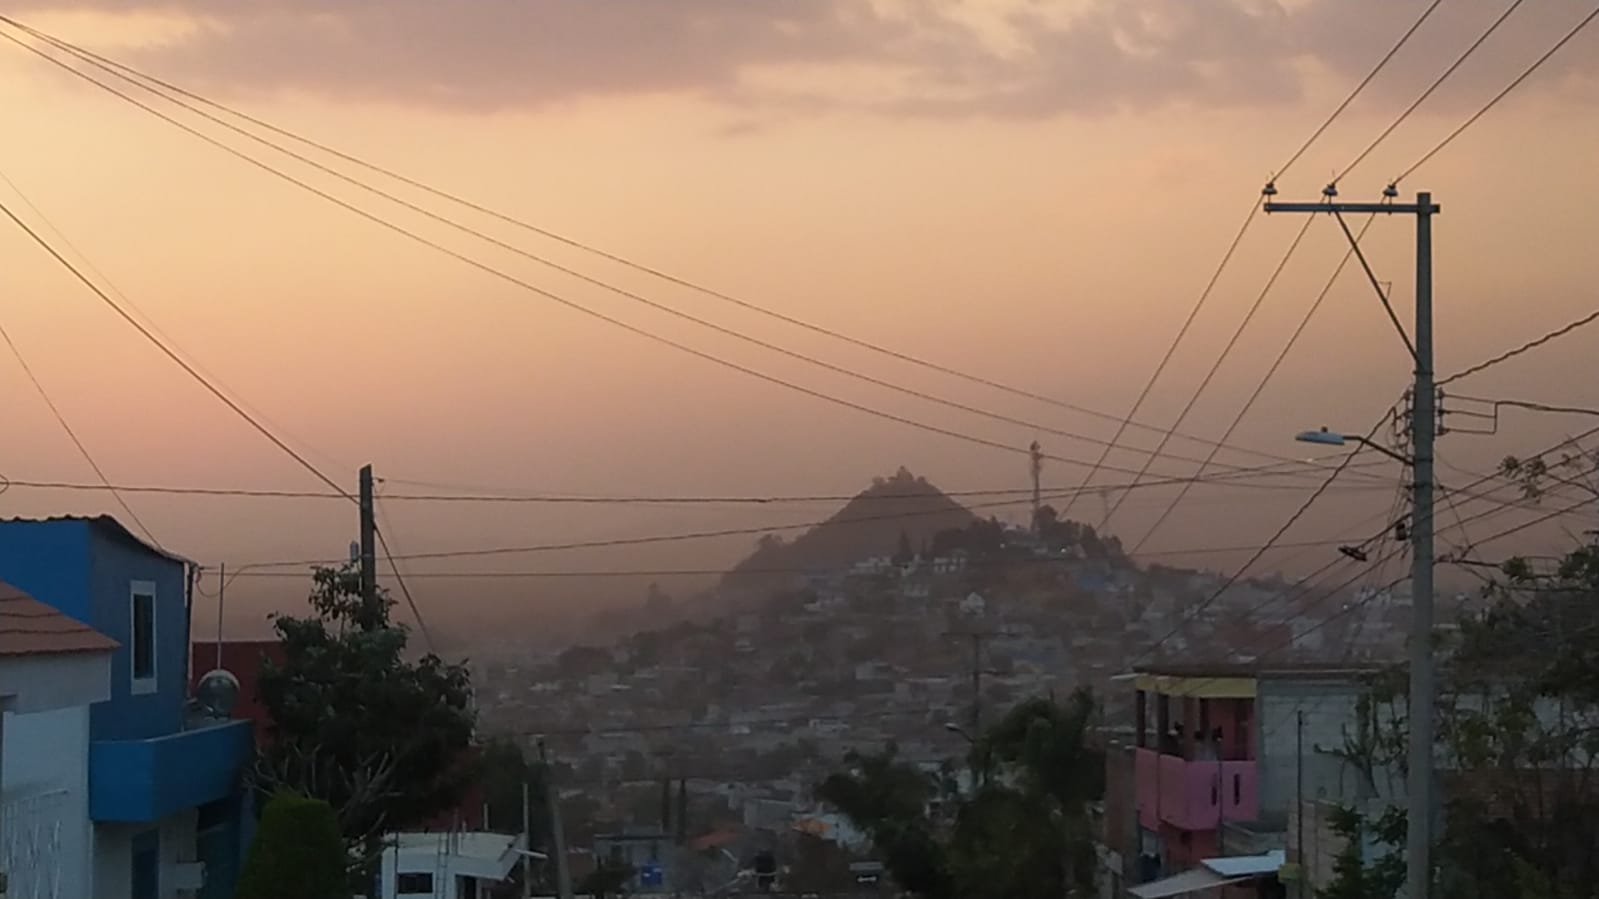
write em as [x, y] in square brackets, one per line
[140, 686]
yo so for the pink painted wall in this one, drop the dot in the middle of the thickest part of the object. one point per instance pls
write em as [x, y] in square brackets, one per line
[1185, 794]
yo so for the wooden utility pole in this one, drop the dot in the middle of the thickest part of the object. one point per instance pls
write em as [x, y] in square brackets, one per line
[371, 614]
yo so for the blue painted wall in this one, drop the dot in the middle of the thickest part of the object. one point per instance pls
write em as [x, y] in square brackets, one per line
[115, 564]
[86, 568]
[49, 560]
[147, 780]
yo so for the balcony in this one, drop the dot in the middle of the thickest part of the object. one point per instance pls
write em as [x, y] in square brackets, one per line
[1185, 794]
[141, 781]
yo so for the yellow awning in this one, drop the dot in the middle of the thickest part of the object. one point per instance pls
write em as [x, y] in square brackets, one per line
[1199, 687]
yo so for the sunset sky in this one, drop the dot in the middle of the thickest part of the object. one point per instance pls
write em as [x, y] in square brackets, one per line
[1034, 192]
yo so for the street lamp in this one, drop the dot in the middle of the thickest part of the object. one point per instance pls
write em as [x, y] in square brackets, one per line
[1325, 437]
[954, 728]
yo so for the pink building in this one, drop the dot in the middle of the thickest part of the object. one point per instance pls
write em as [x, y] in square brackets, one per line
[1193, 761]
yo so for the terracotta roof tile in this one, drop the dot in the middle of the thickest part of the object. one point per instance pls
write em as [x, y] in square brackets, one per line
[29, 627]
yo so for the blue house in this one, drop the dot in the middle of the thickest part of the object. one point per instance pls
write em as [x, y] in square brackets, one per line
[166, 797]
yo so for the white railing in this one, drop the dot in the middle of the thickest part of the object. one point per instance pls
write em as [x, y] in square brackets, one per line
[31, 850]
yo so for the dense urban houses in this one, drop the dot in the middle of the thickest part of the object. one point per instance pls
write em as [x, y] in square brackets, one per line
[166, 807]
[1218, 760]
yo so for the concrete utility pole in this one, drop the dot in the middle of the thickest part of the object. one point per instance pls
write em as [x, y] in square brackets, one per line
[1299, 802]
[563, 874]
[527, 839]
[369, 553]
[1423, 428]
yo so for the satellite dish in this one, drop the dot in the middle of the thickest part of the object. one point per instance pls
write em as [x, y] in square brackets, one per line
[218, 692]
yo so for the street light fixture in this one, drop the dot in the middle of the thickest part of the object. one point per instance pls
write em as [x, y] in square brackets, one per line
[1325, 437]
[954, 728]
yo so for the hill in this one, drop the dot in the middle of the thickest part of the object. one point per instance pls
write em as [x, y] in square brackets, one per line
[893, 514]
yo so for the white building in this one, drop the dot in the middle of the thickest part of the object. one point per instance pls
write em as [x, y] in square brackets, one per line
[450, 865]
[52, 669]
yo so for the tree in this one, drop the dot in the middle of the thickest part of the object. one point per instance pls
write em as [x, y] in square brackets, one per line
[380, 738]
[1024, 832]
[297, 851]
[1352, 877]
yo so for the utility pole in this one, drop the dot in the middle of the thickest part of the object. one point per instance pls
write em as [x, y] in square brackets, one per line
[1299, 801]
[1423, 428]
[563, 874]
[370, 613]
[222, 592]
[527, 839]
[1036, 458]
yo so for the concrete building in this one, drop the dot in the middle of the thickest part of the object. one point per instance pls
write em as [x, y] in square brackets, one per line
[166, 801]
[448, 865]
[1219, 753]
[52, 670]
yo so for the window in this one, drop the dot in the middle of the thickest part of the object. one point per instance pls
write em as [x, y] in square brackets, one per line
[413, 884]
[142, 637]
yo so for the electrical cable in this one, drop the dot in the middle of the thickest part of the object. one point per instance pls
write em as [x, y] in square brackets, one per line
[103, 62]
[111, 287]
[405, 590]
[1226, 351]
[1381, 63]
[1264, 548]
[558, 298]
[571, 272]
[680, 537]
[1243, 479]
[1524, 348]
[1429, 91]
[559, 574]
[170, 354]
[1265, 379]
[73, 435]
[1171, 350]
[1586, 20]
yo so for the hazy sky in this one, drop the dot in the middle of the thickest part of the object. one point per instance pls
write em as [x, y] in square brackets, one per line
[1034, 192]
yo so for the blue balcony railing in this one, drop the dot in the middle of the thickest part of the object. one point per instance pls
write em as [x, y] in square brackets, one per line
[146, 780]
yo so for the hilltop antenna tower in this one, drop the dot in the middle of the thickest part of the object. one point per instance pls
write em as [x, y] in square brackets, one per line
[1035, 454]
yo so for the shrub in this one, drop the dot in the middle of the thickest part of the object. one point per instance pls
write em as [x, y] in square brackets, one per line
[297, 852]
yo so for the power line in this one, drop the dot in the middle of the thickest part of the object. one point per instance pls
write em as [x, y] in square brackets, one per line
[1265, 379]
[971, 565]
[1171, 350]
[170, 354]
[82, 450]
[1524, 348]
[1265, 547]
[1429, 91]
[104, 62]
[1381, 63]
[636, 297]
[1254, 479]
[111, 287]
[405, 590]
[676, 537]
[1499, 96]
[1226, 351]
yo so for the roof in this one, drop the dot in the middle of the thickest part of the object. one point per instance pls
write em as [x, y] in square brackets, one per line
[29, 627]
[470, 853]
[1191, 881]
[1257, 670]
[109, 526]
[1247, 865]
